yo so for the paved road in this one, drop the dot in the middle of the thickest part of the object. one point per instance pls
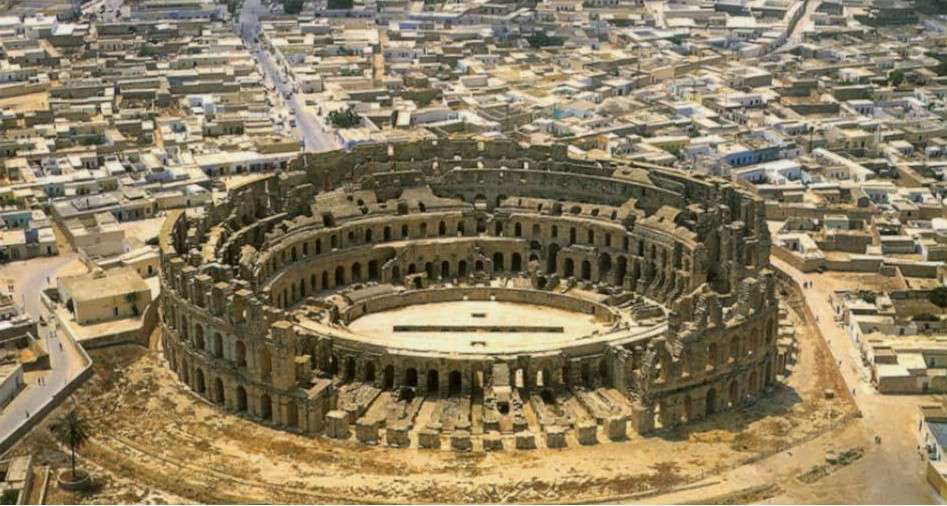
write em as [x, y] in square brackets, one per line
[66, 360]
[899, 472]
[316, 137]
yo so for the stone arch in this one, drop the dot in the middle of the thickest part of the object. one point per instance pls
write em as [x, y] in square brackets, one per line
[368, 235]
[462, 268]
[551, 258]
[217, 346]
[445, 269]
[572, 234]
[621, 269]
[199, 336]
[498, 262]
[456, 383]
[185, 373]
[734, 393]
[429, 269]
[517, 229]
[460, 227]
[240, 354]
[713, 355]
[710, 402]
[603, 371]
[433, 381]
[411, 377]
[349, 371]
[753, 384]
[325, 280]
[241, 398]
[219, 391]
[586, 270]
[389, 376]
[199, 383]
[313, 286]
[478, 266]
[386, 234]
[604, 266]
[333, 366]
[442, 228]
[688, 408]
[370, 372]
[373, 270]
[516, 263]
[356, 272]
[266, 407]
[537, 230]
[569, 268]
[339, 276]
[586, 371]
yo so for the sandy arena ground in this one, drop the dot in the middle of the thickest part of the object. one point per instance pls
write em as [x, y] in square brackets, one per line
[153, 441]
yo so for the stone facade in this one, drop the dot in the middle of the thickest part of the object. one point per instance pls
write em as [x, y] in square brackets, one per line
[422, 216]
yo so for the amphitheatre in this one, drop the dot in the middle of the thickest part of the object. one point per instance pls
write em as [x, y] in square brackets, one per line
[475, 282]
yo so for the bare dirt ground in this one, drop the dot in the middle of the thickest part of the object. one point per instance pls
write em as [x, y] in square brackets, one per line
[25, 103]
[153, 441]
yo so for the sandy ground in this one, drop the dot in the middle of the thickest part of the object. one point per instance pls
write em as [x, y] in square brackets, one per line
[25, 103]
[153, 433]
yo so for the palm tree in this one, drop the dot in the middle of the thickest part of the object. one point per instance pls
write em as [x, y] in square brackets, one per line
[71, 430]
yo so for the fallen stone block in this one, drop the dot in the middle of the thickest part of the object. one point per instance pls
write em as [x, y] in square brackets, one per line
[460, 441]
[429, 438]
[617, 428]
[555, 437]
[525, 441]
[492, 442]
[337, 424]
[366, 432]
[586, 433]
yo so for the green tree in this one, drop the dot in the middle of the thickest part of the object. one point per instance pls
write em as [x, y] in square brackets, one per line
[540, 39]
[71, 430]
[896, 77]
[340, 4]
[292, 6]
[938, 296]
[345, 118]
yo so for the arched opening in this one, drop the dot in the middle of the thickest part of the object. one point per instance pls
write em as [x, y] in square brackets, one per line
[752, 385]
[313, 286]
[456, 383]
[516, 264]
[339, 276]
[572, 235]
[433, 382]
[241, 399]
[569, 268]
[292, 415]
[389, 376]
[411, 377]
[325, 280]
[349, 369]
[498, 262]
[586, 373]
[333, 366]
[767, 375]
[199, 385]
[688, 409]
[429, 269]
[240, 354]
[219, 391]
[386, 234]
[604, 266]
[412, 269]
[603, 371]
[266, 408]
[544, 378]
[586, 270]
[373, 270]
[460, 228]
[711, 402]
[356, 272]
[478, 266]
[370, 372]
[445, 269]
[621, 270]
[537, 230]
[218, 345]
[498, 228]
[395, 273]
[518, 230]
[462, 268]
[404, 231]
[185, 374]
[551, 260]
[199, 336]
[734, 393]
[442, 228]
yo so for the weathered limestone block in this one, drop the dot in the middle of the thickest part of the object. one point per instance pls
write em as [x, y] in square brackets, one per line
[492, 442]
[520, 424]
[525, 441]
[585, 432]
[491, 423]
[555, 437]
[337, 424]
[366, 432]
[617, 428]
[398, 437]
[460, 441]
[429, 438]
[462, 425]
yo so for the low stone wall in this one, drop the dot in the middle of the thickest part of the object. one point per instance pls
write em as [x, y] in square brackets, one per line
[516, 295]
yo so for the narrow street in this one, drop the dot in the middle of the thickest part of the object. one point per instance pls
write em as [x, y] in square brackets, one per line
[315, 136]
